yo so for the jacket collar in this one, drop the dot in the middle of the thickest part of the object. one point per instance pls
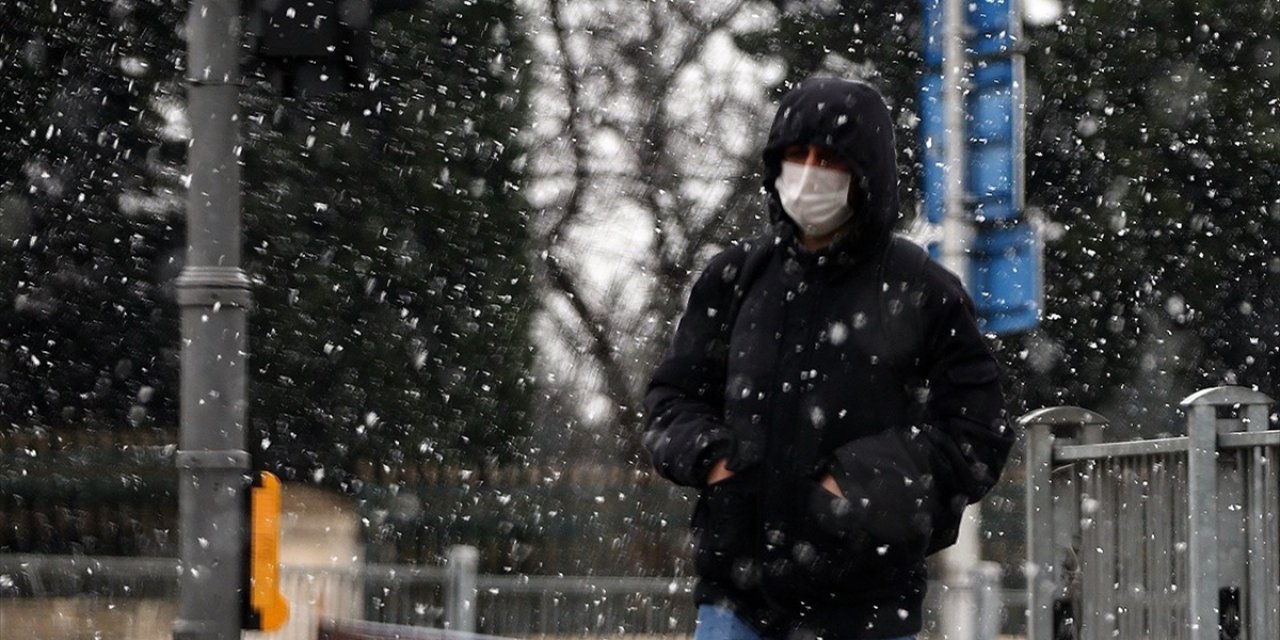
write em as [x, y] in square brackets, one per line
[846, 252]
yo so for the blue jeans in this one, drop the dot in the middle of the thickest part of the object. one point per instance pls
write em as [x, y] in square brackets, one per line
[719, 623]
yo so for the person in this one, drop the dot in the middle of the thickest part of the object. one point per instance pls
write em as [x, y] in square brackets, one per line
[828, 391]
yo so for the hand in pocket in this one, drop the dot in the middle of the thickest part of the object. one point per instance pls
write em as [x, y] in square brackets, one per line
[829, 483]
[725, 528]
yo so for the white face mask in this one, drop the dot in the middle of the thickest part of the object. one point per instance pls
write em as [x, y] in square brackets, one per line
[816, 198]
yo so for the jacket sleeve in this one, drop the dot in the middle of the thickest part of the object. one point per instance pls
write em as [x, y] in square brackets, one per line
[685, 432]
[926, 473]
[969, 439]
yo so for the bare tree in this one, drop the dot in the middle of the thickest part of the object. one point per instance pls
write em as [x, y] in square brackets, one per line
[643, 161]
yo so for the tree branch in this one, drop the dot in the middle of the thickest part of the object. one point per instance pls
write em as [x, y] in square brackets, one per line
[656, 127]
[600, 345]
[573, 205]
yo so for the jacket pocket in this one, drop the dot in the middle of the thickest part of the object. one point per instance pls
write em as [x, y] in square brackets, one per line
[724, 528]
[889, 494]
[836, 542]
[965, 391]
[821, 558]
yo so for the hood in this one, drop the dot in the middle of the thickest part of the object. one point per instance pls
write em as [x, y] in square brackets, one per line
[852, 119]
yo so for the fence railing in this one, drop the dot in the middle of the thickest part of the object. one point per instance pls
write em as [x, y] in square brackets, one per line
[1172, 537]
[454, 597]
[363, 601]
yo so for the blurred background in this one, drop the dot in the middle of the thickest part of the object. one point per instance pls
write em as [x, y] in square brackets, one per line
[464, 273]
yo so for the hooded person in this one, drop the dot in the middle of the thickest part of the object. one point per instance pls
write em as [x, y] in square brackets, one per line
[828, 392]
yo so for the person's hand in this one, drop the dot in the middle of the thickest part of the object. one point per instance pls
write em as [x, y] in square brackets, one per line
[719, 472]
[829, 483]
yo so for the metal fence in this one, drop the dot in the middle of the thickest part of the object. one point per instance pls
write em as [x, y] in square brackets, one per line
[1172, 537]
[367, 600]
[384, 600]
[455, 598]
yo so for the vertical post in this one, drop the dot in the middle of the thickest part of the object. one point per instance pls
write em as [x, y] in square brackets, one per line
[1263, 559]
[1203, 539]
[960, 560]
[1202, 529]
[933, 130]
[1041, 565]
[986, 581]
[214, 296]
[462, 563]
[957, 230]
[1044, 504]
[1234, 519]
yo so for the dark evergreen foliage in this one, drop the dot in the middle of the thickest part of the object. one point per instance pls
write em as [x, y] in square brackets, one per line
[384, 232]
[89, 221]
[1147, 145]
[387, 226]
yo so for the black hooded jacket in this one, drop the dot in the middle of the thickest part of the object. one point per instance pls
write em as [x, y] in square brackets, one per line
[862, 360]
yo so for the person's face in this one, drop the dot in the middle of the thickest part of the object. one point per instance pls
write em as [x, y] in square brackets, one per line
[811, 155]
[818, 156]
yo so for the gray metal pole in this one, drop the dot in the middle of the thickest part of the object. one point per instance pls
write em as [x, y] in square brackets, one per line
[462, 563]
[1202, 547]
[1205, 545]
[957, 230]
[1262, 565]
[986, 585]
[214, 296]
[1047, 505]
[1042, 568]
[960, 561]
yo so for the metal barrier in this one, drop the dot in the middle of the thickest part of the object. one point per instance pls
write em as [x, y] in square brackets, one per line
[457, 599]
[384, 600]
[1171, 538]
[373, 600]
[363, 630]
